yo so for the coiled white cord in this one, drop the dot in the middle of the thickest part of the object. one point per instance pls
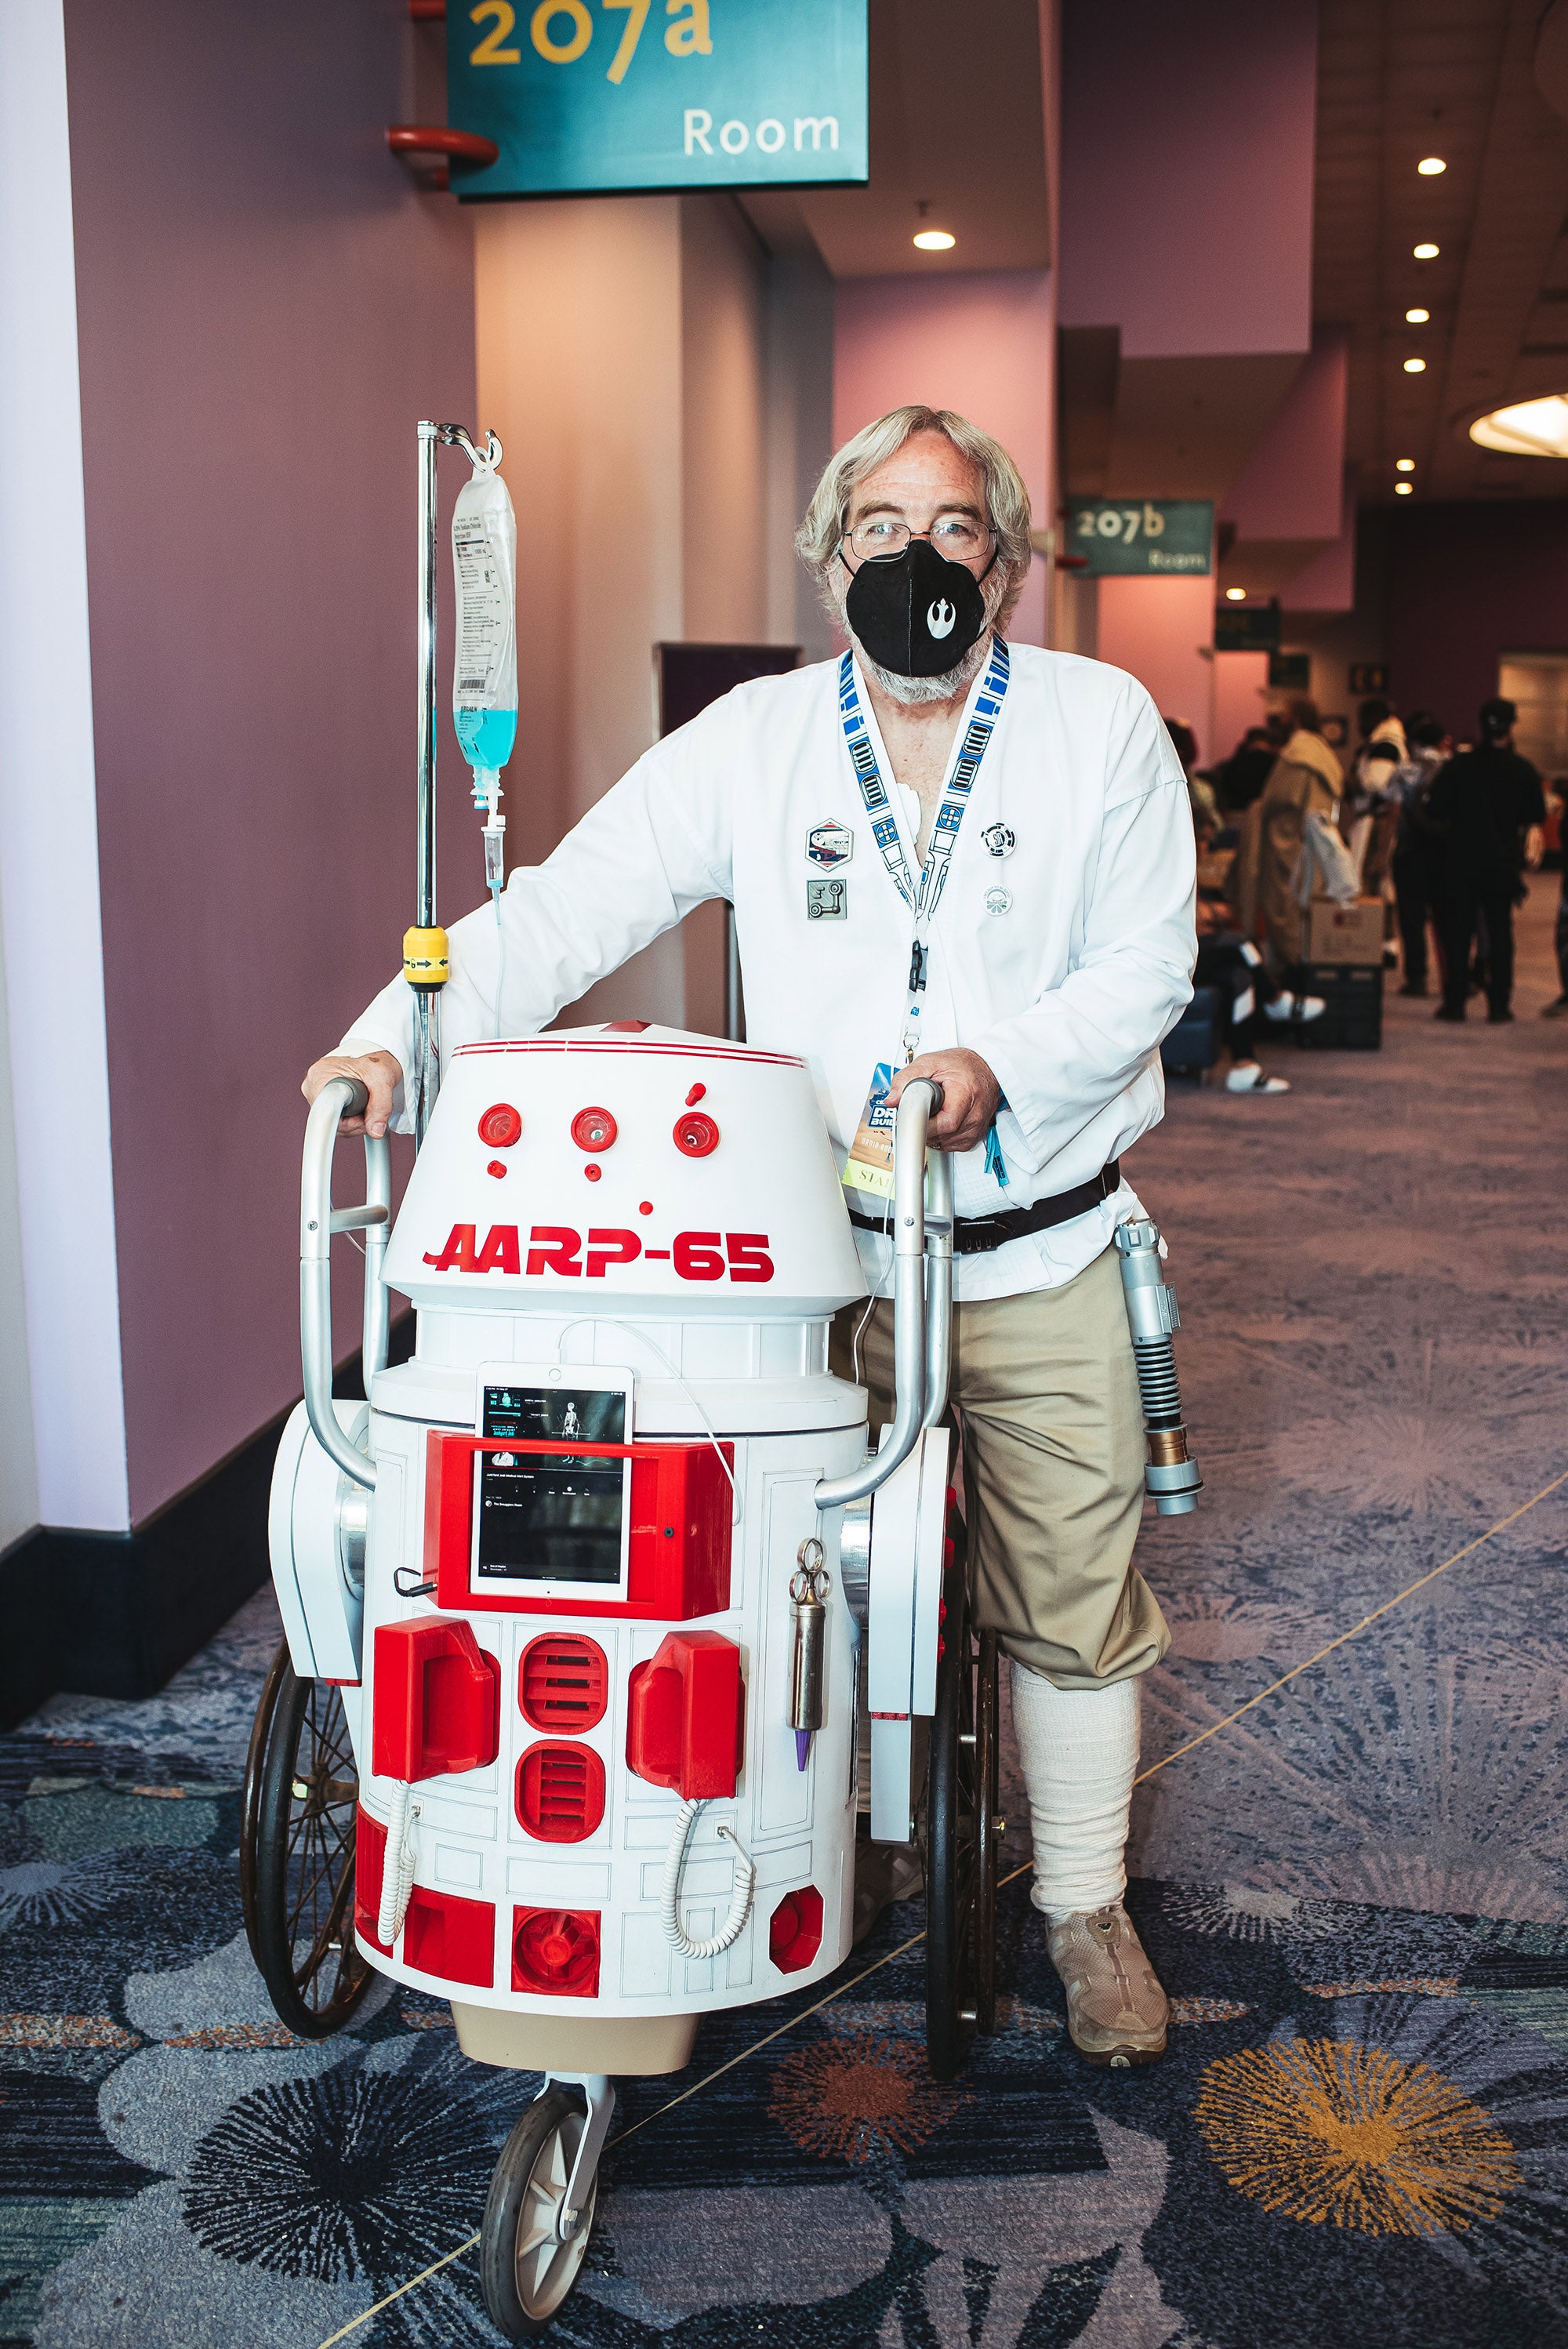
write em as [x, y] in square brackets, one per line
[743, 1883]
[397, 1866]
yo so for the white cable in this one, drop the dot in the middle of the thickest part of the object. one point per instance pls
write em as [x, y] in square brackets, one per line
[742, 1883]
[397, 1866]
[592, 1321]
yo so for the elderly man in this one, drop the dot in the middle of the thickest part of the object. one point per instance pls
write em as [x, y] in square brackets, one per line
[1012, 917]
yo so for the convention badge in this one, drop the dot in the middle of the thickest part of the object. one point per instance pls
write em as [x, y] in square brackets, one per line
[830, 844]
[827, 901]
[869, 1167]
[1000, 839]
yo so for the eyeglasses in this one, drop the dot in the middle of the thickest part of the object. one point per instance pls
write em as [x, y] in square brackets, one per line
[959, 537]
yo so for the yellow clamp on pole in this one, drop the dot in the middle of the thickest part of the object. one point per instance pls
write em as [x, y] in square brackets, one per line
[424, 961]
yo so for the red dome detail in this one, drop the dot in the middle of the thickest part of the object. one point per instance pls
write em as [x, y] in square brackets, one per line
[795, 1930]
[697, 1092]
[496, 1166]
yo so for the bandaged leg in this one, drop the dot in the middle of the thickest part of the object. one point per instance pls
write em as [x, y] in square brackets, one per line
[1079, 1753]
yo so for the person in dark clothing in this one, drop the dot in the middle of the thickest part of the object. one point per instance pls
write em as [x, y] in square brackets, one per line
[1484, 804]
[1240, 779]
[1558, 1009]
[1418, 863]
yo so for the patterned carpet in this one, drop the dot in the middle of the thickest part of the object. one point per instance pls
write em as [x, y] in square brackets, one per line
[1355, 1891]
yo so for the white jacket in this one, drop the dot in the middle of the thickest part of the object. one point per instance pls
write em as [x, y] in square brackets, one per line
[1067, 991]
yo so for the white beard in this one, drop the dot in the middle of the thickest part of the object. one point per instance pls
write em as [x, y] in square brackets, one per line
[914, 690]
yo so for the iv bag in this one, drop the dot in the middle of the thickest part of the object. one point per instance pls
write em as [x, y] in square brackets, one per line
[484, 675]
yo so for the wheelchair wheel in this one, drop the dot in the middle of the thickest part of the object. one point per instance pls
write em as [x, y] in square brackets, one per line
[525, 2271]
[296, 1854]
[251, 1799]
[961, 1841]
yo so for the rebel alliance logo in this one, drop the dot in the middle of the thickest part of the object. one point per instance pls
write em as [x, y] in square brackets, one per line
[940, 619]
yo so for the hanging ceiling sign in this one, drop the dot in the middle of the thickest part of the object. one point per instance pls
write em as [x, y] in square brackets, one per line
[586, 96]
[1163, 538]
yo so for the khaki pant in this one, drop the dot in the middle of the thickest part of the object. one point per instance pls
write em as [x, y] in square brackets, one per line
[1052, 1429]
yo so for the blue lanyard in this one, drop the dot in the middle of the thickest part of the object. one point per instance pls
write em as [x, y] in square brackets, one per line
[921, 900]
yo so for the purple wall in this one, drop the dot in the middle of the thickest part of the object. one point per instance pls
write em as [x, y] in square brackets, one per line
[981, 342]
[1187, 173]
[1466, 584]
[265, 309]
[1292, 484]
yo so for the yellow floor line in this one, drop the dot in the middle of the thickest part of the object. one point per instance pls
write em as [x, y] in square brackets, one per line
[1022, 1869]
[423, 2277]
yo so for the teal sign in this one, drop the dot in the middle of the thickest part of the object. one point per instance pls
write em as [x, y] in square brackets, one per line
[1147, 538]
[585, 95]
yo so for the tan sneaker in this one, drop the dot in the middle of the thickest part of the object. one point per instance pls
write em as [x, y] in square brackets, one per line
[1117, 2011]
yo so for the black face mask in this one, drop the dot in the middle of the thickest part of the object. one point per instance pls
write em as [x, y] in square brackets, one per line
[915, 612]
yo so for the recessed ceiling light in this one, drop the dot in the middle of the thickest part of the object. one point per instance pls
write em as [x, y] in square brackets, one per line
[934, 240]
[1424, 252]
[1404, 464]
[1430, 165]
[1417, 317]
[1403, 489]
[1415, 367]
[1530, 428]
[1236, 595]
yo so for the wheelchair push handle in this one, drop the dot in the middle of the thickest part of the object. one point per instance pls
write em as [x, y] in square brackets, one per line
[339, 1098]
[922, 1322]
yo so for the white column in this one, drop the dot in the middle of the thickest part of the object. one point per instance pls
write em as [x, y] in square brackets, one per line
[49, 821]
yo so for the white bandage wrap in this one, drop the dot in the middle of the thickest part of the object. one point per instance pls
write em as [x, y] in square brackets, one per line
[1079, 1753]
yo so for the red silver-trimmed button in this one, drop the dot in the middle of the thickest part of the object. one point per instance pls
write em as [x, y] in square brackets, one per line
[697, 1136]
[500, 1126]
[594, 1129]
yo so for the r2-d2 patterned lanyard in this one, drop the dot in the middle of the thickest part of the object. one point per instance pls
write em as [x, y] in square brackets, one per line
[923, 900]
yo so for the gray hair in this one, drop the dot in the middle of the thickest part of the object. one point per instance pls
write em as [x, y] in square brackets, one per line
[1006, 499]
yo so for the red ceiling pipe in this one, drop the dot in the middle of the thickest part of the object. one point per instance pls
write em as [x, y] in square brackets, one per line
[434, 139]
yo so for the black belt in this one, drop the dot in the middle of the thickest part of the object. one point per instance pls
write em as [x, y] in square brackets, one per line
[977, 1234]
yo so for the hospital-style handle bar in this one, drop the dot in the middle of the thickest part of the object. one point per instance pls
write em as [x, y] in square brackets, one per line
[339, 1098]
[1171, 1476]
[922, 1300]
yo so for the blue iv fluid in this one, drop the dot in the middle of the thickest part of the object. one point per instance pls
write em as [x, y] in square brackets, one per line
[487, 736]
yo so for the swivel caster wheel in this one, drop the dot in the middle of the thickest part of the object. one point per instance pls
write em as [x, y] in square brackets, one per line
[525, 2270]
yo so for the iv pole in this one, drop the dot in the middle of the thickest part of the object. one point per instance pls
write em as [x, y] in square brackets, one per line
[426, 964]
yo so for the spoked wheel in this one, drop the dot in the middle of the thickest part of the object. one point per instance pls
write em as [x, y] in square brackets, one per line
[525, 2270]
[960, 1842]
[296, 1854]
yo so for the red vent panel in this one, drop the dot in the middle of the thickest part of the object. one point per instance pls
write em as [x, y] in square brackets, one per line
[563, 1683]
[560, 1792]
[556, 1952]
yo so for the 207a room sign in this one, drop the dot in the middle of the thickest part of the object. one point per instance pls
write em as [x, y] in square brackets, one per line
[585, 95]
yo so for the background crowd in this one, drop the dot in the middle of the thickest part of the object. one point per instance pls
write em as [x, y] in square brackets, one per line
[1440, 833]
